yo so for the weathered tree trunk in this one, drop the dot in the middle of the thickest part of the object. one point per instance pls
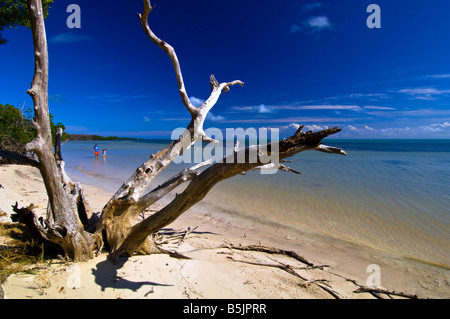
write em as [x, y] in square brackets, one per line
[63, 225]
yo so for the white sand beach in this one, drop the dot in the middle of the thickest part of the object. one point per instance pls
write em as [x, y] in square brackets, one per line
[214, 270]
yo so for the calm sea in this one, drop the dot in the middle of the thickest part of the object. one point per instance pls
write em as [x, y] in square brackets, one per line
[390, 195]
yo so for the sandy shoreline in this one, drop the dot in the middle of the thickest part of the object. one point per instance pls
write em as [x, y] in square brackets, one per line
[213, 270]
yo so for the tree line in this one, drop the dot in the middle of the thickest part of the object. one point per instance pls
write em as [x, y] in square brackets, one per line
[16, 128]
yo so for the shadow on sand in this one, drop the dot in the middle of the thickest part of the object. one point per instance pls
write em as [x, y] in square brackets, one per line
[106, 276]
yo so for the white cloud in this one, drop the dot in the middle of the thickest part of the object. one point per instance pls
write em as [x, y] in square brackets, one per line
[436, 127]
[295, 126]
[313, 24]
[374, 107]
[196, 101]
[439, 76]
[263, 109]
[424, 93]
[69, 37]
[315, 127]
[319, 23]
[291, 120]
[370, 96]
[292, 126]
[242, 108]
[328, 107]
[436, 130]
[147, 119]
[269, 109]
[215, 118]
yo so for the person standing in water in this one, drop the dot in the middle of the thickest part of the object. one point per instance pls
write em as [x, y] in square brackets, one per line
[96, 150]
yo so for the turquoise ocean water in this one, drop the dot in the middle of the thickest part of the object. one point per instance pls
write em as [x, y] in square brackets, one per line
[390, 195]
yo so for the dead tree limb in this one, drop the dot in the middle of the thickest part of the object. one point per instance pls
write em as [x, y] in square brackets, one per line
[376, 292]
[281, 266]
[289, 269]
[64, 228]
[271, 250]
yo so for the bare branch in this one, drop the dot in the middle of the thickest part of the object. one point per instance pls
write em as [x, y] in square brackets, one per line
[171, 52]
[162, 190]
[288, 169]
[330, 149]
[272, 166]
[226, 86]
[377, 291]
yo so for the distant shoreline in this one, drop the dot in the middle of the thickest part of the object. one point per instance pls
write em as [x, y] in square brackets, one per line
[93, 137]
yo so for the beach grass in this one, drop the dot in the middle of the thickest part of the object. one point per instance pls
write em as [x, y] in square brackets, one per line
[20, 254]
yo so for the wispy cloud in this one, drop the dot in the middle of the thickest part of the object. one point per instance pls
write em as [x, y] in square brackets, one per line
[295, 126]
[263, 109]
[271, 108]
[313, 24]
[431, 130]
[290, 120]
[319, 23]
[215, 118]
[435, 130]
[438, 127]
[438, 76]
[242, 108]
[369, 96]
[374, 107]
[324, 107]
[424, 93]
[69, 37]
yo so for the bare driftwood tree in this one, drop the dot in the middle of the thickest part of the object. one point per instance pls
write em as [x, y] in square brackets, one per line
[63, 224]
[70, 222]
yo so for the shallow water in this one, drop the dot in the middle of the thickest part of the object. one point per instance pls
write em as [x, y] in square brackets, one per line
[390, 195]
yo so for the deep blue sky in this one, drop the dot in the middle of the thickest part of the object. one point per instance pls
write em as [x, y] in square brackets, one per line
[304, 62]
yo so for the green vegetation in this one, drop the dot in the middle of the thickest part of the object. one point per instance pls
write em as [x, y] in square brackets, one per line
[16, 128]
[14, 13]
